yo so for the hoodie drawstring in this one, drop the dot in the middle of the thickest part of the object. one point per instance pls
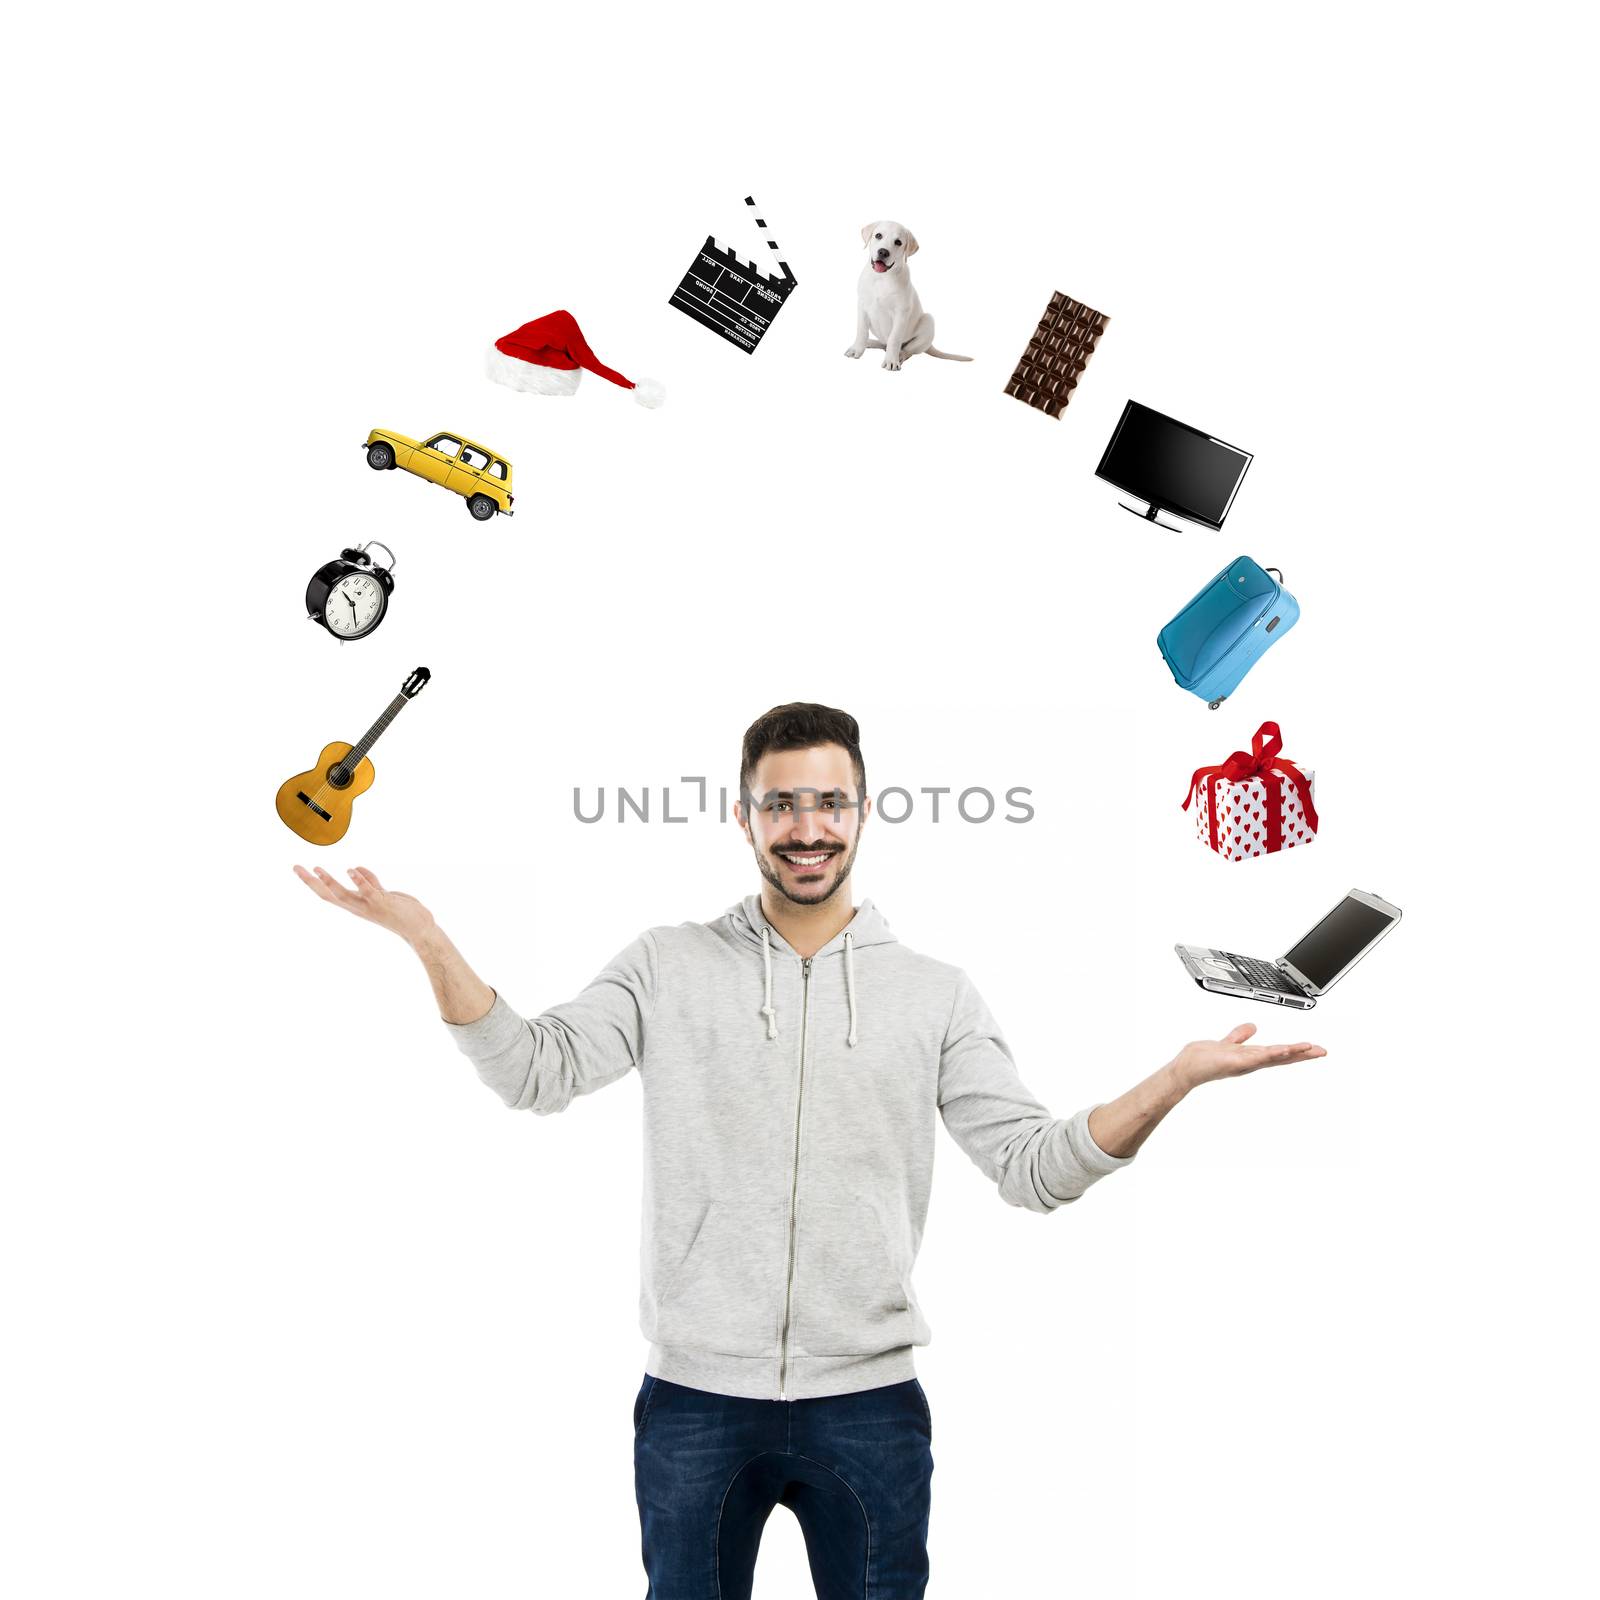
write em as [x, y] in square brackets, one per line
[769, 1011]
[850, 985]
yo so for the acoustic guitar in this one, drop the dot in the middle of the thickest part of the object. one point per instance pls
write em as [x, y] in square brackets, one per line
[316, 804]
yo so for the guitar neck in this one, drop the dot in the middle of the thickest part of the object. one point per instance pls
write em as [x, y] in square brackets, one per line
[375, 732]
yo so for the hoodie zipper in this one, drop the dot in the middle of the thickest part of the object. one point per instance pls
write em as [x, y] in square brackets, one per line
[794, 1182]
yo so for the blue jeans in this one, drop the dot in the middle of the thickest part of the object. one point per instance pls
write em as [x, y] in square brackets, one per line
[853, 1468]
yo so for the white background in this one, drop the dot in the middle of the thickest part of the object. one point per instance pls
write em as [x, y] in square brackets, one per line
[295, 1306]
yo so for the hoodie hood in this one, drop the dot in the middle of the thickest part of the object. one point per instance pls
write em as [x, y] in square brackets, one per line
[747, 922]
[747, 925]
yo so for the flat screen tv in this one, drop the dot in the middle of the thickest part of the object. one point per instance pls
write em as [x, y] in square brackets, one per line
[1172, 467]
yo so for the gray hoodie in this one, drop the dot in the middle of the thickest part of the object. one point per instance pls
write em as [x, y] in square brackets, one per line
[788, 1137]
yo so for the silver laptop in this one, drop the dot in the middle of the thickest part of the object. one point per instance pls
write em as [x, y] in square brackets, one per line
[1309, 968]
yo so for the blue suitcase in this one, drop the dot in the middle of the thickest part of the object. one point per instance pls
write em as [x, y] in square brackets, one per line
[1227, 628]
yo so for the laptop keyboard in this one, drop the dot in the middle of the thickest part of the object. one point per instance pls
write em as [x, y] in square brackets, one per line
[1263, 975]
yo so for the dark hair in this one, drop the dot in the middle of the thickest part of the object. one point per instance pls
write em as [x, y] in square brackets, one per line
[800, 725]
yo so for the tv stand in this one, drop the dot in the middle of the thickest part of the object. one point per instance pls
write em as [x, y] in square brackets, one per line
[1150, 516]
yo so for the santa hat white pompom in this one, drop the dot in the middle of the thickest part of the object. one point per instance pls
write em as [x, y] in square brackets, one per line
[647, 392]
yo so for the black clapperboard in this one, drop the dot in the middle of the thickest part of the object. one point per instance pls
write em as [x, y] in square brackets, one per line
[731, 297]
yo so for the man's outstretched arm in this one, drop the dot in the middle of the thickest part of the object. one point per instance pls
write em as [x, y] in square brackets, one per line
[536, 1064]
[1120, 1126]
[1041, 1161]
[461, 994]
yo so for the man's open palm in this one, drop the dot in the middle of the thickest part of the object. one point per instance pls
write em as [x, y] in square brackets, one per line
[1208, 1059]
[403, 914]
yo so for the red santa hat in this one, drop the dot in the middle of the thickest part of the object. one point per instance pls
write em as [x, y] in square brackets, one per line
[544, 357]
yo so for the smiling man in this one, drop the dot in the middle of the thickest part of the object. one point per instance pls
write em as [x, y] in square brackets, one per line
[795, 1058]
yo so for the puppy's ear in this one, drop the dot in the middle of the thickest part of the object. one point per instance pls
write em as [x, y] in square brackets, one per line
[911, 242]
[866, 230]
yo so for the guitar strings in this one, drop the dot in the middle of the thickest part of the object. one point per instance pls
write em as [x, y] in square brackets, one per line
[320, 792]
[339, 789]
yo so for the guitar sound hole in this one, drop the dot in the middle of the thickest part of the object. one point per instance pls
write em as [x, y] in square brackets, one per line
[339, 778]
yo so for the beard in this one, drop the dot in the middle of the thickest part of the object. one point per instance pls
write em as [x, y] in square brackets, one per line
[803, 895]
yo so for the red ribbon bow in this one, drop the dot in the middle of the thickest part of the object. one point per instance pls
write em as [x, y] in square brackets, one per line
[1261, 762]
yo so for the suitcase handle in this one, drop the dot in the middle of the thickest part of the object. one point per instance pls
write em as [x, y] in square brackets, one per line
[1274, 569]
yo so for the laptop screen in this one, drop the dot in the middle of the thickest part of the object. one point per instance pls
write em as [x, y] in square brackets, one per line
[1337, 940]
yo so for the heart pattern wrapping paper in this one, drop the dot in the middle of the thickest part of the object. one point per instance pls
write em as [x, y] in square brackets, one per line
[1243, 812]
[1256, 803]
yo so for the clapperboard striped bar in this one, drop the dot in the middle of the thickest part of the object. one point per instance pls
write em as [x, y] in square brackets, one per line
[733, 297]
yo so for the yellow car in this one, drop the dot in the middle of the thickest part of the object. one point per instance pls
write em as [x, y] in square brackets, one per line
[482, 477]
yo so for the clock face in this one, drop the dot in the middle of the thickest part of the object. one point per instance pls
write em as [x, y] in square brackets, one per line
[355, 604]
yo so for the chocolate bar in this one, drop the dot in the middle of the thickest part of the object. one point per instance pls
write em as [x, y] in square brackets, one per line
[1058, 351]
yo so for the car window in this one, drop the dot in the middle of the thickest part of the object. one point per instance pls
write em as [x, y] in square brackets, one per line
[474, 458]
[445, 445]
[497, 469]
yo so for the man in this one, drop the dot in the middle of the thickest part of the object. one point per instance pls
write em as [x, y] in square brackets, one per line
[792, 1054]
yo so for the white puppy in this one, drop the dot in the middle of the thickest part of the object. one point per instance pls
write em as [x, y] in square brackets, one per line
[889, 316]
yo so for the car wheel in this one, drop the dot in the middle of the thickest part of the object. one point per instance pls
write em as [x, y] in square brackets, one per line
[482, 507]
[380, 456]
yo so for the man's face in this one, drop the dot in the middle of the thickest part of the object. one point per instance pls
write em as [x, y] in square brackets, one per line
[803, 819]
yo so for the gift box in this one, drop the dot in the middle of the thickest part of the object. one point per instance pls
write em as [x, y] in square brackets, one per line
[1256, 802]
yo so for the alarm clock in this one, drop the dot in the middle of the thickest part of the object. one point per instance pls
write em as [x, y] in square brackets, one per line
[350, 596]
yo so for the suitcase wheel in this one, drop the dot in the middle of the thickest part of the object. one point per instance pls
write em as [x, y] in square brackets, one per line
[1211, 705]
